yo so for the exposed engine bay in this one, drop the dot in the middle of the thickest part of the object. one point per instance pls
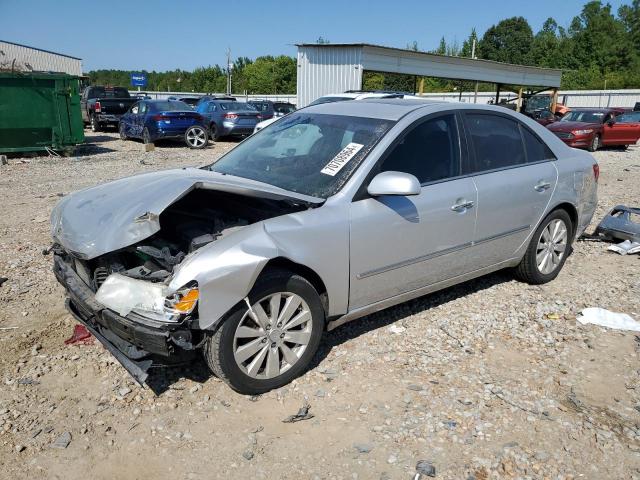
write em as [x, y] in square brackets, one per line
[199, 218]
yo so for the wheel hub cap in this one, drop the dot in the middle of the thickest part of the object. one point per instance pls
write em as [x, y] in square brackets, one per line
[551, 246]
[272, 335]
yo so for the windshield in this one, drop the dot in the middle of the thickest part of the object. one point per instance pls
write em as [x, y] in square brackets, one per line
[311, 154]
[236, 106]
[329, 100]
[261, 107]
[169, 106]
[587, 116]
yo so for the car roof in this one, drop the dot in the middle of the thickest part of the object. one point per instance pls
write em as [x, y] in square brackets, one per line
[382, 108]
[603, 110]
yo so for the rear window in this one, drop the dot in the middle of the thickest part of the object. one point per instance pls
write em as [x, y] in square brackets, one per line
[537, 150]
[169, 106]
[236, 106]
[261, 107]
[496, 142]
[284, 108]
[107, 92]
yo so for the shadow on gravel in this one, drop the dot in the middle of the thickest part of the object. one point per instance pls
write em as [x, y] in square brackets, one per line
[391, 315]
[89, 149]
[97, 138]
[162, 377]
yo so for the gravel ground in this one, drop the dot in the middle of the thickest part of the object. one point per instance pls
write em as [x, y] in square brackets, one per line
[490, 379]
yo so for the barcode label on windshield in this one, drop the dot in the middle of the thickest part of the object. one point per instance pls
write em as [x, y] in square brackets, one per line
[341, 159]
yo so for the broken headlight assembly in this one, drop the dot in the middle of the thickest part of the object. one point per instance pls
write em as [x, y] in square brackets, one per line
[123, 295]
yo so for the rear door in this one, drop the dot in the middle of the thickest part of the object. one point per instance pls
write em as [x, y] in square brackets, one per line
[515, 175]
[399, 244]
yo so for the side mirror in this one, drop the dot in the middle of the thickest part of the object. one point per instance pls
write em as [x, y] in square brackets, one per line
[394, 183]
[611, 122]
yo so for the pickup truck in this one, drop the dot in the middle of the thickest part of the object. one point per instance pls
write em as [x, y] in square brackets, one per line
[102, 106]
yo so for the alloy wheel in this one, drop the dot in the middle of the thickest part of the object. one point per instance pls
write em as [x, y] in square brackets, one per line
[272, 335]
[196, 137]
[552, 246]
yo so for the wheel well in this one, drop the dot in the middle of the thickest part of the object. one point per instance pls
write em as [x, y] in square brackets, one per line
[304, 271]
[573, 215]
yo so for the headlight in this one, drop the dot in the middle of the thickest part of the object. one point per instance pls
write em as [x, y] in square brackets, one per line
[124, 294]
[582, 132]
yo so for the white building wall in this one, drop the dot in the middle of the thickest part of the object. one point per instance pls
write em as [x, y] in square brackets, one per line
[24, 58]
[325, 70]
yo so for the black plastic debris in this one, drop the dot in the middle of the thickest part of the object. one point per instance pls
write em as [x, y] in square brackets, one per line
[2, 280]
[619, 224]
[303, 414]
[426, 468]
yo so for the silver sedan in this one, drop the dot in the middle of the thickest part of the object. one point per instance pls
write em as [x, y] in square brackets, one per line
[335, 211]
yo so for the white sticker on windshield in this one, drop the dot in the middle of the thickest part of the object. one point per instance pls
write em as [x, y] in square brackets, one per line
[341, 159]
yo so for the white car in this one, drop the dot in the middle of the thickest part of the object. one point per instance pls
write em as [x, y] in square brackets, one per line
[341, 97]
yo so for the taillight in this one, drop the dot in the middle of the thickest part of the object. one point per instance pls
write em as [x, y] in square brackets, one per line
[596, 171]
[259, 117]
[98, 107]
[230, 116]
[160, 118]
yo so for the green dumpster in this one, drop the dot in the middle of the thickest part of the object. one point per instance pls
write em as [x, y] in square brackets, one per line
[39, 111]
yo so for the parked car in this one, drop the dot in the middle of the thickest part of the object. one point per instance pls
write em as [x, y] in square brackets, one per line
[359, 95]
[208, 98]
[153, 120]
[103, 106]
[281, 109]
[191, 101]
[543, 117]
[229, 118]
[592, 128]
[334, 212]
[269, 109]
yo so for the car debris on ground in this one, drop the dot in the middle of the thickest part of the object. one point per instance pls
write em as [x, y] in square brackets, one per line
[606, 318]
[303, 414]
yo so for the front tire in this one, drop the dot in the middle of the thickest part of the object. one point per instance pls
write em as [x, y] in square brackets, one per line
[548, 250]
[256, 350]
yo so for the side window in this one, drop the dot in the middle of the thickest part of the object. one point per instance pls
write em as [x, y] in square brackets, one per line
[134, 109]
[496, 141]
[212, 107]
[143, 108]
[537, 150]
[430, 151]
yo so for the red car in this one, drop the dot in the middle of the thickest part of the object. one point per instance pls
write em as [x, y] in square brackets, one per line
[592, 128]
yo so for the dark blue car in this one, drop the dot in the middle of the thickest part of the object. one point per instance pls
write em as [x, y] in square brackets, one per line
[153, 120]
[228, 117]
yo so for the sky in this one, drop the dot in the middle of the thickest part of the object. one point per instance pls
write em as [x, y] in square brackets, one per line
[166, 35]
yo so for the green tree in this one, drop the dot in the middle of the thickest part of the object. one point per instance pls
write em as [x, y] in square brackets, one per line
[508, 41]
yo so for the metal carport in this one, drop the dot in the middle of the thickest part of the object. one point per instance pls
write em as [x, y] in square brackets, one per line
[335, 68]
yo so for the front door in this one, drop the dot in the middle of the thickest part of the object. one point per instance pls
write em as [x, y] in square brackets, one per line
[624, 131]
[515, 176]
[399, 244]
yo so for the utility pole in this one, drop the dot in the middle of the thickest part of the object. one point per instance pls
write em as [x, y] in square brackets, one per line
[473, 56]
[229, 67]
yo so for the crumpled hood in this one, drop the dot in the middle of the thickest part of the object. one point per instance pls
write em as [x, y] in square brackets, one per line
[569, 126]
[101, 219]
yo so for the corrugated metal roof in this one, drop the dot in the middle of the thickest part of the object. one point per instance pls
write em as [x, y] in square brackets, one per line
[40, 49]
[337, 67]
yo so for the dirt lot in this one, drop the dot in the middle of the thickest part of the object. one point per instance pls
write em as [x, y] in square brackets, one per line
[491, 379]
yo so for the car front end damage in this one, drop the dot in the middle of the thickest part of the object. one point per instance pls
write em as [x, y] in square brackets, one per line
[150, 272]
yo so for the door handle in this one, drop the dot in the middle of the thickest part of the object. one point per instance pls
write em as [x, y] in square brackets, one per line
[542, 186]
[462, 206]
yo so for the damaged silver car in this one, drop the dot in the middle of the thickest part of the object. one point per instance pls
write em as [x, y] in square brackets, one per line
[334, 212]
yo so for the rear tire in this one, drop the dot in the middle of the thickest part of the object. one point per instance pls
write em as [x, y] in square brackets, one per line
[548, 249]
[595, 143]
[213, 132]
[223, 350]
[95, 124]
[196, 137]
[146, 137]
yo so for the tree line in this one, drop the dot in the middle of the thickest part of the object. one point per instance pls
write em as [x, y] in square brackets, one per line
[599, 49]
